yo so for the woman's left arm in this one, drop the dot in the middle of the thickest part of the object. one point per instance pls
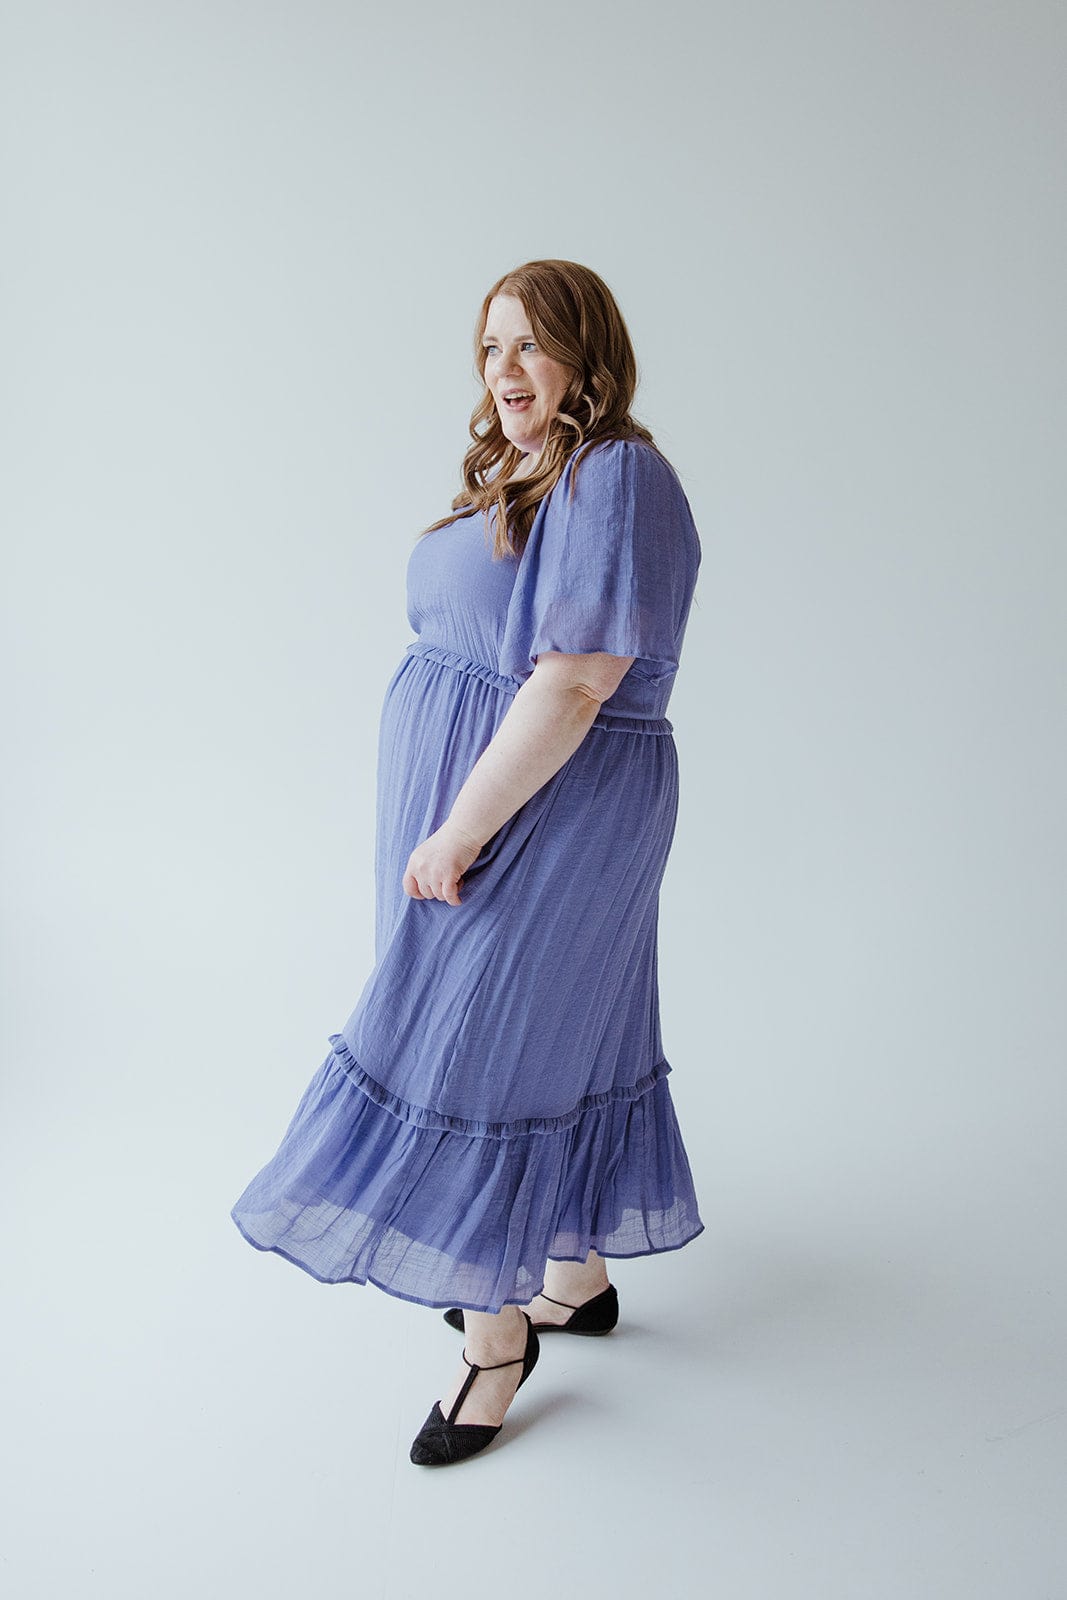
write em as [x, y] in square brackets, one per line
[549, 716]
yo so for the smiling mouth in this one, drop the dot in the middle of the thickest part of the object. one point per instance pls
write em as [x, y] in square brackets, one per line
[518, 402]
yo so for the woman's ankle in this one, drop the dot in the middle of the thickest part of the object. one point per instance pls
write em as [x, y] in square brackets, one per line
[493, 1336]
[576, 1281]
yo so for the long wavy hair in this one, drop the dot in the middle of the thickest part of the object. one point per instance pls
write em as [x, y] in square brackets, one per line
[575, 319]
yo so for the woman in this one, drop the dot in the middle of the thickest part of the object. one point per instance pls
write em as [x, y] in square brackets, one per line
[494, 1118]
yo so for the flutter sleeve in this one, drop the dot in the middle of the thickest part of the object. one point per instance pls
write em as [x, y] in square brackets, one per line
[612, 569]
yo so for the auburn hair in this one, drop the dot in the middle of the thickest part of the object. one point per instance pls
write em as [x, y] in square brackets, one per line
[575, 319]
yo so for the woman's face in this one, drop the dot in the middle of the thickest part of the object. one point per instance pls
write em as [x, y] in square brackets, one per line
[514, 364]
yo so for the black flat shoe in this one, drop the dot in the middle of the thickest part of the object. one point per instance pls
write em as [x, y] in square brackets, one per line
[442, 1440]
[595, 1317]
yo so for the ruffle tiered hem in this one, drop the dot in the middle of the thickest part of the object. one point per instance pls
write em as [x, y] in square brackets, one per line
[367, 1189]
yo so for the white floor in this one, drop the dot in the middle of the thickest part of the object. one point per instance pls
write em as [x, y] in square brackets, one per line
[842, 1406]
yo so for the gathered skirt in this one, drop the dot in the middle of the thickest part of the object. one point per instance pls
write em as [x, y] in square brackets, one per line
[499, 1095]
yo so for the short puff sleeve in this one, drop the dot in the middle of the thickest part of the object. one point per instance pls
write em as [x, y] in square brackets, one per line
[612, 569]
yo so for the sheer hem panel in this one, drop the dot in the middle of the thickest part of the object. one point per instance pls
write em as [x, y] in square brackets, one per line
[441, 1218]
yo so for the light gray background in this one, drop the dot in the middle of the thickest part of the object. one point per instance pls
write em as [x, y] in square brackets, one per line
[244, 248]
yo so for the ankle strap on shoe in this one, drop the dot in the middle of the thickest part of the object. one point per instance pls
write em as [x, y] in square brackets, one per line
[480, 1368]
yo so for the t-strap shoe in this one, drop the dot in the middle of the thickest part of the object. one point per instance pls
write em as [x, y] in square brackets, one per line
[594, 1317]
[442, 1440]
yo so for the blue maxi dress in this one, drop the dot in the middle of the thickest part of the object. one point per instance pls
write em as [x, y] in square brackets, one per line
[499, 1094]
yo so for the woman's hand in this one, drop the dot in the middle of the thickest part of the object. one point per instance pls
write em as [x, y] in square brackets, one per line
[436, 866]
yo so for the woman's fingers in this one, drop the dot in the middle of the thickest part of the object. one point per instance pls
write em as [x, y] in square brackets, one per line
[439, 887]
[435, 867]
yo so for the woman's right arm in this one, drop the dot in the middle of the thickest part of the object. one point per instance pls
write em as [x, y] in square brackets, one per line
[549, 716]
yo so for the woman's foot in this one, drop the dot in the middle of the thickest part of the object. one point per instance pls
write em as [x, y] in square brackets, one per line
[489, 1340]
[443, 1440]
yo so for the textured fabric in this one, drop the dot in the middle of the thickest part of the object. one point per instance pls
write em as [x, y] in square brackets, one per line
[499, 1094]
[612, 569]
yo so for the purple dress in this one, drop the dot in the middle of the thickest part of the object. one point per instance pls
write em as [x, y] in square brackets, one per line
[499, 1095]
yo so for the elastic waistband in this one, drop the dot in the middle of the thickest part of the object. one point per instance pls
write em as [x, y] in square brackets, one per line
[606, 721]
[475, 669]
